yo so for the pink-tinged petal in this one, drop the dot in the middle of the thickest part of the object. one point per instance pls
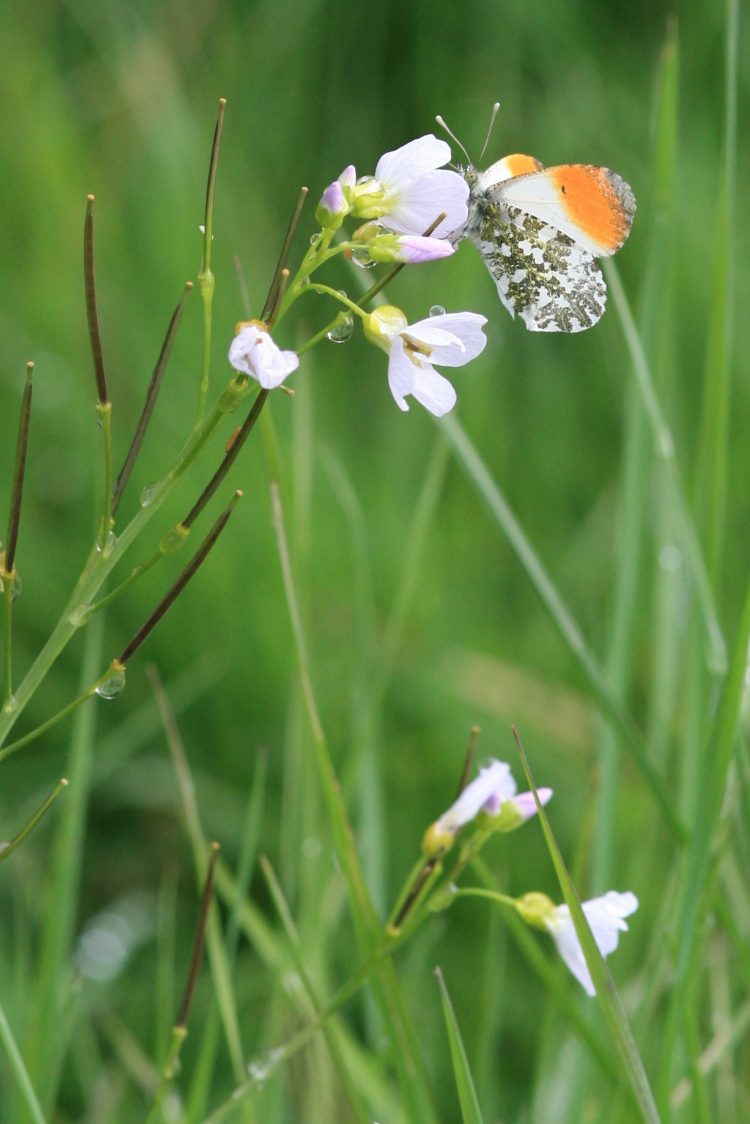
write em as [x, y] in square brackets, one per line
[496, 777]
[414, 249]
[412, 159]
[414, 204]
[333, 198]
[348, 177]
[464, 327]
[526, 804]
[253, 352]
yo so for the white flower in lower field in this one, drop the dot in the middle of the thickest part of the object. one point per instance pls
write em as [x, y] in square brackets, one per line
[449, 339]
[410, 189]
[254, 353]
[493, 791]
[605, 916]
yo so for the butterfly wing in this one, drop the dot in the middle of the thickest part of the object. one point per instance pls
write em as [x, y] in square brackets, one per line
[593, 206]
[539, 231]
[541, 274]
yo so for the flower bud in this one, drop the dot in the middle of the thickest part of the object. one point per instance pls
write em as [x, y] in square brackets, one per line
[437, 840]
[381, 325]
[333, 207]
[369, 199]
[536, 909]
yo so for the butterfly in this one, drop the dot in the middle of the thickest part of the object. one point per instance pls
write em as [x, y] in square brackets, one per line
[540, 231]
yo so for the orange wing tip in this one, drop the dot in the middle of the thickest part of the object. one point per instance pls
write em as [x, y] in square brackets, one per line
[519, 165]
[599, 202]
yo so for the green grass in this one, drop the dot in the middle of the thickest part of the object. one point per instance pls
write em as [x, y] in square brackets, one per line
[566, 552]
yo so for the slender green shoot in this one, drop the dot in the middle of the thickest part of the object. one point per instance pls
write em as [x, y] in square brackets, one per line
[467, 1094]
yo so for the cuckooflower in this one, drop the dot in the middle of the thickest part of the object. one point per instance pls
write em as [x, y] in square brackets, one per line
[254, 353]
[410, 189]
[449, 339]
[335, 202]
[493, 791]
[605, 915]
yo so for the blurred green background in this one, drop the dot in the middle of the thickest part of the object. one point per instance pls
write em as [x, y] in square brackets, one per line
[119, 99]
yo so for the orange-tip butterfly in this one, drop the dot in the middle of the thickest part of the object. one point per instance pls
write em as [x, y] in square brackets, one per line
[540, 231]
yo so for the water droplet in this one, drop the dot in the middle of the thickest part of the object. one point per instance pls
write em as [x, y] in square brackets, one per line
[112, 686]
[173, 539]
[261, 1068]
[17, 587]
[342, 329]
[148, 493]
[437, 310]
[108, 545]
[314, 239]
[79, 616]
[362, 258]
[10, 705]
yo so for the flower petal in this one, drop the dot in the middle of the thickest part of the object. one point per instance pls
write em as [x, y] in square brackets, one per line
[495, 778]
[605, 916]
[412, 159]
[526, 804]
[253, 352]
[406, 376]
[416, 203]
[464, 327]
[414, 249]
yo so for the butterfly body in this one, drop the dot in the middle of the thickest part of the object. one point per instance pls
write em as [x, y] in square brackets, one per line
[540, 231]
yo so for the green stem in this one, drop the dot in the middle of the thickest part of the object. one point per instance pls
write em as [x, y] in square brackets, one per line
[19, 1070]
[28, 827]
[100, 563]
[104, 417]
[206, 280]
[68, 709]
[490, 895]
[179, 1034]
[7, 582]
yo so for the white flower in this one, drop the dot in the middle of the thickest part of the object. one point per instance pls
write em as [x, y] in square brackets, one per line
[494, 782]
[450, 340]
[410, 189]
[253, 352]
[493, 791]
[605, 915]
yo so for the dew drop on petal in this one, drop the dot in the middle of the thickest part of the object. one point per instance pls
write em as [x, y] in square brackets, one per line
[437, 310]
[342, 329]
[113, 686]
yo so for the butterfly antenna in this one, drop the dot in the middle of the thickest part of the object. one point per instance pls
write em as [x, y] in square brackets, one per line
[495, 108]
[452, 135]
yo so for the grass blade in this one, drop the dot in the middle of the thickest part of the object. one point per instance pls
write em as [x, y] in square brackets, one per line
[559, 613]
[467, 1094]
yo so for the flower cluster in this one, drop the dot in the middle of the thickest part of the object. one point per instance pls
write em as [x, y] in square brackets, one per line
[494, 793]
[492, 803]
[409, 205]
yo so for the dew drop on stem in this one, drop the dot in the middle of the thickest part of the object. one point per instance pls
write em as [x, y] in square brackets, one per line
[112, 686]
[342, 329]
